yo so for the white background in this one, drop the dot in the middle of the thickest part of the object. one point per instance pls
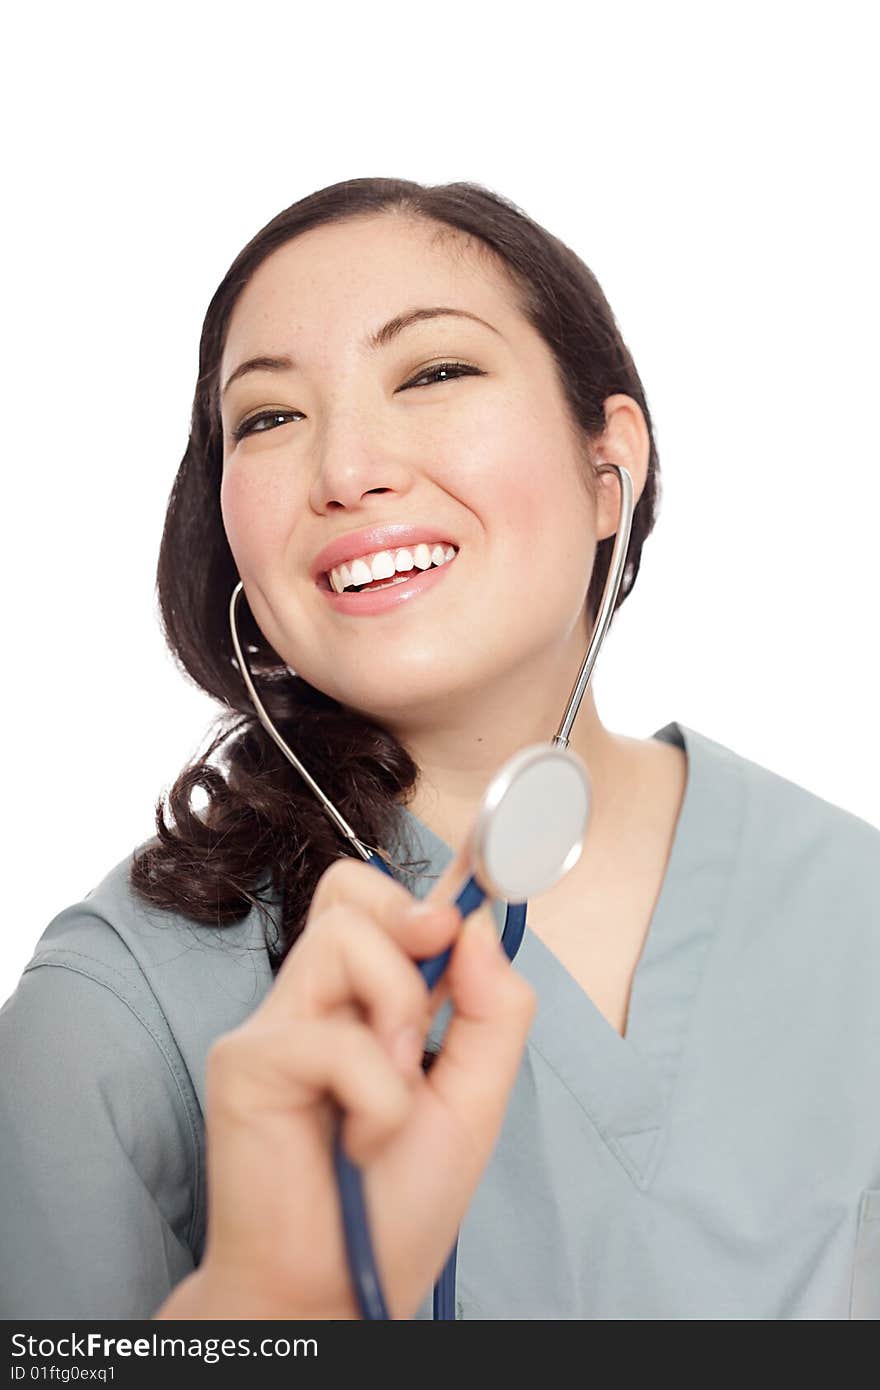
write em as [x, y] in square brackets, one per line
[717, 171]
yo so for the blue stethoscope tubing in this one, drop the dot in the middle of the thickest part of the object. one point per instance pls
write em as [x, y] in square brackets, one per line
[362, 1263]
[349, 1181]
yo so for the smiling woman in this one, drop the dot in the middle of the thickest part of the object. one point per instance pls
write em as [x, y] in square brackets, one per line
[407, 403]
[451, 406]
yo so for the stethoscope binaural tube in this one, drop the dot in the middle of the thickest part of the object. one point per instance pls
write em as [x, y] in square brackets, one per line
[361, 1258]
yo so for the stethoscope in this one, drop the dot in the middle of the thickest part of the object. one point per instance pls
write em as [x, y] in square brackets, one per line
[529, 831]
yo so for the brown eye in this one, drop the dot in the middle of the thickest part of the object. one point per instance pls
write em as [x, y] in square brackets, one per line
[249, 426]
[443, 371]
[450, 371]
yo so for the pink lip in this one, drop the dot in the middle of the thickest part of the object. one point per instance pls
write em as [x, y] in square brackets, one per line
[370, 539]
[366, 604]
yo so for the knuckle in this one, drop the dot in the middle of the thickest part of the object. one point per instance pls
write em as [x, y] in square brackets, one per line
[227, 1077]
[224, 1055]
[414, 993]
[357, 1043]
[352, 879]
[340, 870]
[522, 998]
[322, 922]
[334, 922]
[334, 877]
[343, 876]
[352, 1041]
[358, 1052]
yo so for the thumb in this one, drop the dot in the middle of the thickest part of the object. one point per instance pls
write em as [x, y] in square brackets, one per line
[443, 895]
[452, 878]
[484, 1042]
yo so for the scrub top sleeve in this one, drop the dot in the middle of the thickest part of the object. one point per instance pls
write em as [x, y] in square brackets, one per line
[100, 1158]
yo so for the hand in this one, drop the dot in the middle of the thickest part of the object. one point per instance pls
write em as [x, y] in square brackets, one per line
[344, 1023]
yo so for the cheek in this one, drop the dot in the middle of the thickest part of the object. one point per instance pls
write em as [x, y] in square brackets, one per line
[525, 489]
[539, 522]
[498, 466]
[255, 517]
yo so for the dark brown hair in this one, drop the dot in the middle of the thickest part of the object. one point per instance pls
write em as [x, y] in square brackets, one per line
[262, 831]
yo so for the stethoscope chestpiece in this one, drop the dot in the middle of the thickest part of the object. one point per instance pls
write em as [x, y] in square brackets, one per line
[530, 826]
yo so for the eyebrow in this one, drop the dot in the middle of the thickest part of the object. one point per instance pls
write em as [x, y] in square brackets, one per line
[380, 338]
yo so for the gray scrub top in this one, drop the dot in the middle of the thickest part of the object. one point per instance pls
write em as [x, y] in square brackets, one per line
[720, 1161]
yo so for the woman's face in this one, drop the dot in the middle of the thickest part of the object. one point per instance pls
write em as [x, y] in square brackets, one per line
[487, 460]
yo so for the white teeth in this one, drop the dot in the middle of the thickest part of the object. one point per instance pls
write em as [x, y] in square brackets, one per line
[422, 557]
[389, 583]
[386, 564]
[360, 572]
[383, 565]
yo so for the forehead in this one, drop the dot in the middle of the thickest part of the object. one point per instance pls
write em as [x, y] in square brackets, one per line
[332, 285]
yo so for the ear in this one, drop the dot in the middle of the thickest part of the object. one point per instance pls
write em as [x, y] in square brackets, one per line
[626, 442]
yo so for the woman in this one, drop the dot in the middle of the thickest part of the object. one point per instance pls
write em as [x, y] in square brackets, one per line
[691, 1129]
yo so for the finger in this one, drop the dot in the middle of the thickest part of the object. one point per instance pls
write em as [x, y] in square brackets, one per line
[254, 1072]
[485, 1040]
[446, 889]
[391, 905]
[453, 877]
[349, 959]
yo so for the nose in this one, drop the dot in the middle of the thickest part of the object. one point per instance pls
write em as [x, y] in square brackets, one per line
[356, 461]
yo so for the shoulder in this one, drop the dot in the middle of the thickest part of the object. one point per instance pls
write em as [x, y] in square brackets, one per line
[796, 849]
[791, 814]
[184, 982]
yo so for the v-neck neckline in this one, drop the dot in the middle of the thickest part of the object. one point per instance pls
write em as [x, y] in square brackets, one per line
[625, 1084]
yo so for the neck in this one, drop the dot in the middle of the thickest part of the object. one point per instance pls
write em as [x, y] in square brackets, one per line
[459, 748]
